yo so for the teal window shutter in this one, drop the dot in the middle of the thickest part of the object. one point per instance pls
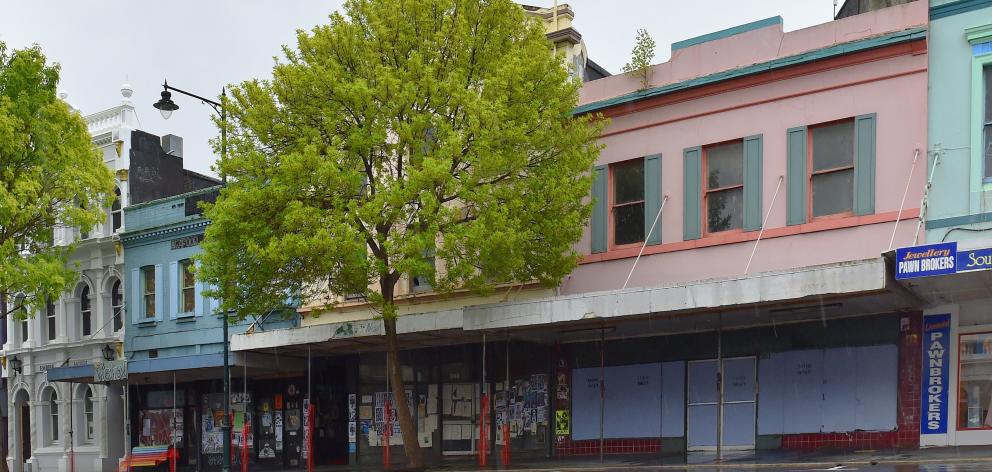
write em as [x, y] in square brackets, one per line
[599, 203]
[864, 164]
[652, 198]
[752, 182]
[797, 176]
[175, 282]
[692, 200]
[159, 292]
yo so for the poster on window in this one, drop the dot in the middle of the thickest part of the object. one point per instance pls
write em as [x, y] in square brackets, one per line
[157, 428]
[212, 436]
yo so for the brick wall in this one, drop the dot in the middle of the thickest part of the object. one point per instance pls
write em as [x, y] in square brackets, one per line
[567, 447]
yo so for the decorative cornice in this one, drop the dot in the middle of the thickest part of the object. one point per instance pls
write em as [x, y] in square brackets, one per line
[905, 36]
[163, 231]
[956, 8]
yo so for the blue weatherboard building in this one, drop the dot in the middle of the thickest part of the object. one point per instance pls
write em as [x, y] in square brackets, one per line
[174, 339]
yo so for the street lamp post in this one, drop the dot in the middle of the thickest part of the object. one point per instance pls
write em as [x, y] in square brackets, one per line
[166, 106]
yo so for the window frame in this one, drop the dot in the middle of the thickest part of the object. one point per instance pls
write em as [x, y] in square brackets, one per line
[24, 331]
[89, 408]
[148, 274]
[612, 205]
[961, 391]
[85, 312]
[980, 59]
[704, 213]
[51, 398]
[810, 173]
[116, 212]
[50, 320]
[425, 287]
[117, 304]
[185, 266]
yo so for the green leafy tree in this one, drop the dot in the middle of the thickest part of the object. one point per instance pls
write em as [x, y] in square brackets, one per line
[402, 129]
[51, 175]
[641, 57]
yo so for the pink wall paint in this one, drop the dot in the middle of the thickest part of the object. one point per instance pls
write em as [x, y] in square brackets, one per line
[759, 46]
[893, 88]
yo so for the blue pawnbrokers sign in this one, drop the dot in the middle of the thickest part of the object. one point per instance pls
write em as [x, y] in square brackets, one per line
[923, 261]
[936, 339]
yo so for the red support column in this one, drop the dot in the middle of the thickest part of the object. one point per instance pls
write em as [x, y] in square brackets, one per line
[387, 429]
[484, 431]
[311, 412]
[244, 445]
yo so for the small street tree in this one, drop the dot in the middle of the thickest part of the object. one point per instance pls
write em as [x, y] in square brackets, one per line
[641, 57]
[402, 129]
[51, 176]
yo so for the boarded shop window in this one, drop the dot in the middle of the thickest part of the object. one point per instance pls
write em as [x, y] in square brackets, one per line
[638, 384]
[724, 184]
[832, 170]
[627, 202]
[828, 390]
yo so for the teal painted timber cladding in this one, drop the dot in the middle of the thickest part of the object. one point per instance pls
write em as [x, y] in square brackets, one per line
[956, 8]
[599, 203]
[754, 25]
[797, 180]
[753, 149]
[692, 201]
[864, 164]
[899, 37]
[652, 198]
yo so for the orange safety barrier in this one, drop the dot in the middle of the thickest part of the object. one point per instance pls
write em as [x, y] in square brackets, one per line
[148, 456]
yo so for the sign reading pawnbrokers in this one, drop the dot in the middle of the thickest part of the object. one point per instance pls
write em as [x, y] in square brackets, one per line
[923, 261]
[936, 340]
[111, 371]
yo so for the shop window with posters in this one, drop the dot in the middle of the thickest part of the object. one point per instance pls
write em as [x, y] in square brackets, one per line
[975, 388]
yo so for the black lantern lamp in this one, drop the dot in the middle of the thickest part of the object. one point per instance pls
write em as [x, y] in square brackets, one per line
[165, 105]
[15, 364]
[108, 353]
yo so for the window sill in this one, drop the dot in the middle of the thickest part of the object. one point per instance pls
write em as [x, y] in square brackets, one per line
[147, 323]
[185, 318]
[814, 226]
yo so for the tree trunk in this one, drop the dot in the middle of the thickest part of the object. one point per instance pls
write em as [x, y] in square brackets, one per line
[411, 446]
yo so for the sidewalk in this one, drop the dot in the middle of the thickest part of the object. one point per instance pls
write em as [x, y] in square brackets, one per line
[750, 460]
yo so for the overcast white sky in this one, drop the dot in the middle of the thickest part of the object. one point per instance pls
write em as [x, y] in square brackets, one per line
[199, 45]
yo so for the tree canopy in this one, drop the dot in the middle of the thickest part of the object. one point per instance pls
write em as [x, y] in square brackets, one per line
[400, 130]
[51, 175]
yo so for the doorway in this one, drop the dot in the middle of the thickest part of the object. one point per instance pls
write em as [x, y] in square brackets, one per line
[22, 430]
[737, 416]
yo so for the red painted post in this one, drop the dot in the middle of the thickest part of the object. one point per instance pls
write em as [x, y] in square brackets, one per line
[231, 429]
[244, 446]
[484, 431]
[387, 430]
[173, 453]
[311, 412]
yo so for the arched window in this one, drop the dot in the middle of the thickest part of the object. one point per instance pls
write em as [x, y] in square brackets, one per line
[117, 305]
[51, 399]
[115, 210]
[86, 310]
[88, 414]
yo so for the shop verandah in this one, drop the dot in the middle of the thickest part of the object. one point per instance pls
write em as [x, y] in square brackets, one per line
[835, 347]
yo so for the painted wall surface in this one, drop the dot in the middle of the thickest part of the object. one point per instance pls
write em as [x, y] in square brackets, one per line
[894, 88]
[760, 45]
[152, 228]
[957, 188]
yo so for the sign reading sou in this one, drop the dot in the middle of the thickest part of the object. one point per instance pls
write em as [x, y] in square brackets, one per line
[936, 339]
[924, 261]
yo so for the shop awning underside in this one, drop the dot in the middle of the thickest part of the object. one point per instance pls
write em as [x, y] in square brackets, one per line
[832, 291]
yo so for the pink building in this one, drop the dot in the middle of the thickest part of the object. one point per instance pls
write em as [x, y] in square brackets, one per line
[783, 166]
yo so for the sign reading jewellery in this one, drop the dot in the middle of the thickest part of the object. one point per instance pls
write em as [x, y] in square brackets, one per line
[936, 339]
[110, 371]
[923, 261]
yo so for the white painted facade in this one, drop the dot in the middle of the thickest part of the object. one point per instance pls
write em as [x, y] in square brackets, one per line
[72, 426]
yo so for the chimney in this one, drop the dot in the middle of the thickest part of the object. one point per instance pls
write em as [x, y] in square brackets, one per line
[172, 145]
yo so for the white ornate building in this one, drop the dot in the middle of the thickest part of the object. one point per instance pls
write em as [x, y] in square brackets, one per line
[63, 426]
